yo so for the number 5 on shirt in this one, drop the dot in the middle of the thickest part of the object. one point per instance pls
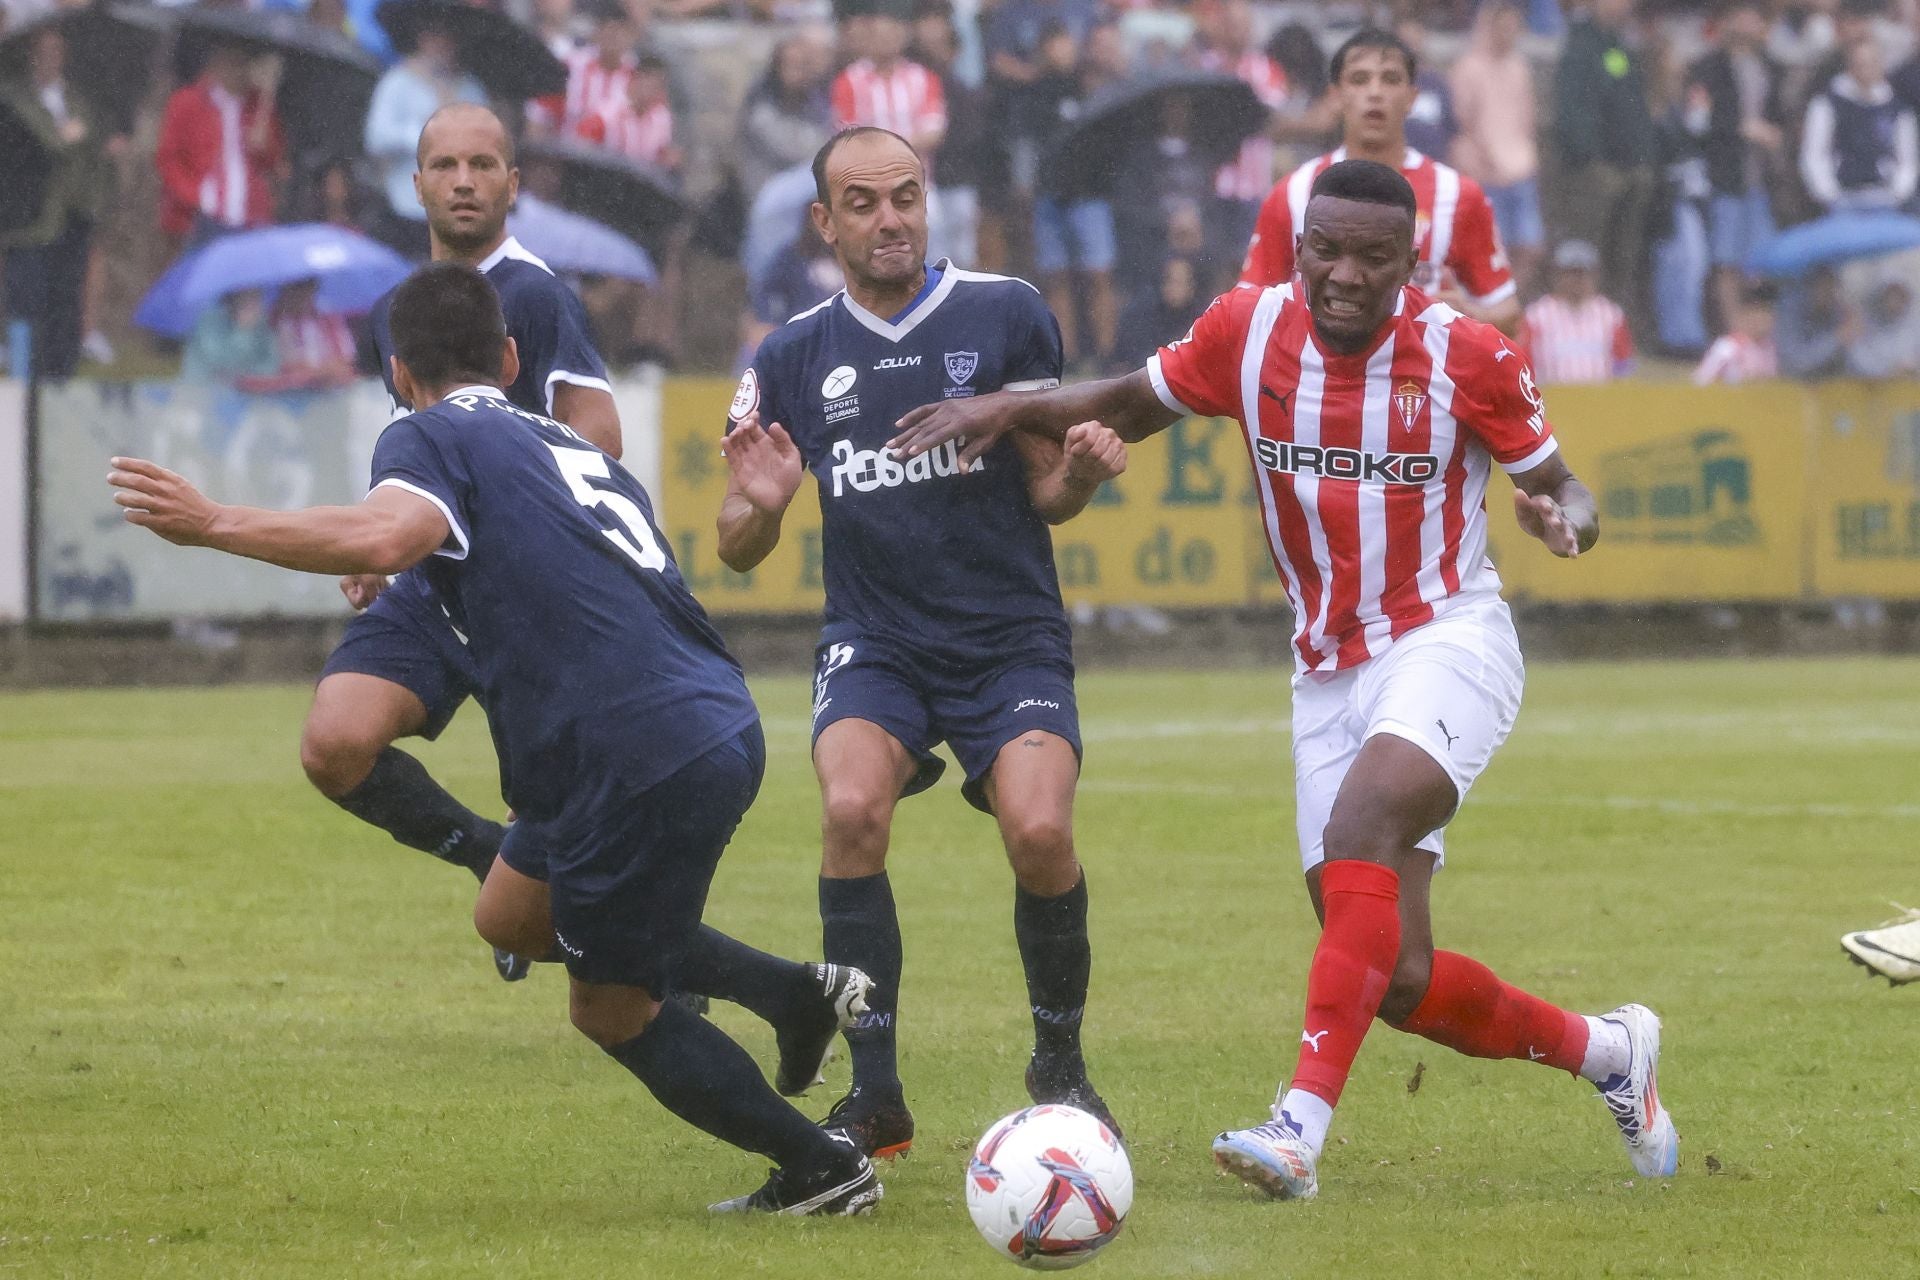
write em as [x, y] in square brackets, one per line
[581, 467]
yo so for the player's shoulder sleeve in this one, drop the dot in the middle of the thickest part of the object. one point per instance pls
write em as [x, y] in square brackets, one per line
[1036, 357]
[1476, 254]
[420, 455]
[550, 327]
[1495, 396]
[1270, 252]
[1200, 373]
[767, 386]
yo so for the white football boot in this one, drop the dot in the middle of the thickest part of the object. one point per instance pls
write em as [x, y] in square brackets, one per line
[1892, 950]
[1271, 1156]
[1634, 1098]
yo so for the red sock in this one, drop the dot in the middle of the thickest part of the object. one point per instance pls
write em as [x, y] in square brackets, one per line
[1359, 945]
[1471, 1011]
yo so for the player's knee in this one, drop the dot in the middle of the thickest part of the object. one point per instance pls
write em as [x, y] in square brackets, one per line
[610, 1016]
[1408, 987]
[336, 753]
[1362, 834]
[855, 822]
[1040, 847]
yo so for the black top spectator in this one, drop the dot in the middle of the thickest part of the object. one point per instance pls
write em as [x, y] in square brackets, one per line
[1734, 102]
[1600, 94]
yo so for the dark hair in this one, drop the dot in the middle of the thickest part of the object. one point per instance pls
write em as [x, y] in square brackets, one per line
[651, 62]
[447, 327]
[1368, 182]
[825, 154]
[1374, 38]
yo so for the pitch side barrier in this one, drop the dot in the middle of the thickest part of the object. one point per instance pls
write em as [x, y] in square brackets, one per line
[1775, 492]
[1770, 493]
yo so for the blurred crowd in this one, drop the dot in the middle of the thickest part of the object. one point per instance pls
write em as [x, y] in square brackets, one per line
[1635, 155]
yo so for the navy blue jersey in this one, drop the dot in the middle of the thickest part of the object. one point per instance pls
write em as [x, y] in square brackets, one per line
[544, 319]
[597, 666]
[903, 553]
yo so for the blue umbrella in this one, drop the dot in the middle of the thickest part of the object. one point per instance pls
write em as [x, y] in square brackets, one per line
[1838, 237]
[353, 272]
[573, 242]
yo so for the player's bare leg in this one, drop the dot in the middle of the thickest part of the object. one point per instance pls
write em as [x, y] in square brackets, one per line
[346, 748]
[862, 770]
[1031, 790]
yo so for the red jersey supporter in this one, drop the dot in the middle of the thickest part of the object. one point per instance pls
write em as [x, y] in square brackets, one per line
[221, 149]
[1574, 334]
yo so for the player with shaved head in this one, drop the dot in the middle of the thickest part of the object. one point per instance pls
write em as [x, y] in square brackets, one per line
[1374, 415]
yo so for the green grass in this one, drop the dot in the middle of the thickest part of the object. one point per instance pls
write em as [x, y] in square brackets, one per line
[241, 1035]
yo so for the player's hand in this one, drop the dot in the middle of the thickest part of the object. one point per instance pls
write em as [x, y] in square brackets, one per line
[1541, 517]
[765, 464]
[163, 502]
[362, 589]
[977, 422]
[1095, 454]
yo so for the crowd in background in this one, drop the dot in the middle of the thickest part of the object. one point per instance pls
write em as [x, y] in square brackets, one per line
[1634, 155]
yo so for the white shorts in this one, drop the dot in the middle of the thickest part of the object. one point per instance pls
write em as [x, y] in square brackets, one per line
[1451, 687]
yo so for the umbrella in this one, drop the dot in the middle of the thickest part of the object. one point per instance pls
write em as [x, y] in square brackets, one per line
[327, 78]
[109, 54]
[575, 243]
[1838, 237]
[632, 198]
[509, 59]
[23, 196]
[1223, 109]
[353, 272]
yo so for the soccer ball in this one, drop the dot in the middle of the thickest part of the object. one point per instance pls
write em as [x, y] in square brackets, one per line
[1049, 1187]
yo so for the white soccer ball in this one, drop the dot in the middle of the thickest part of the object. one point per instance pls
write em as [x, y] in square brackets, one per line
[1049, 1187]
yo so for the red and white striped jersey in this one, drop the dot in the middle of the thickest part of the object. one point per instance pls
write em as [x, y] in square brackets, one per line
[1576, 342]
[909, 99]
[1371, 468]
[1736, 358]
[592, 89]
[640, 136]
[1250, 176]
[1454, 227]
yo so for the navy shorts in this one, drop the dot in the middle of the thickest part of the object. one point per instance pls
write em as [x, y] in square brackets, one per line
[406, 637]
[922, 702]
[628, 880]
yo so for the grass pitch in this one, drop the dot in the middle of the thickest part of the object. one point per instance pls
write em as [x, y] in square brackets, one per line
[242, 1035]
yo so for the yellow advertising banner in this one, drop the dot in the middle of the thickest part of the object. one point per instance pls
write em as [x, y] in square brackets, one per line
[1177, 530]
[1772, 492]
[1702, 494]
[1865, 499]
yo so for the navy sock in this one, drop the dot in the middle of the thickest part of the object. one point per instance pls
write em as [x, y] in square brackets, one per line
[1052, 933]
[728, 969]
[398, 797]
[707, 1080]
[859, 928]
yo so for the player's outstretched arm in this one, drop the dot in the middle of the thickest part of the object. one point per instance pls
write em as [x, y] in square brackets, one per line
[392, 530]
[1126, 405]
[1062, 478]
[1552, 505]
[764, 470]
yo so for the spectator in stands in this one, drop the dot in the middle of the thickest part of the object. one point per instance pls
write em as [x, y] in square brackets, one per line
[1860, 148]
[557, 26]
[1073, 237]
[1608, 147]
[1431, 124]
[46, 260]
[1574, 334]
[1493, 96]
[803, 276]
[1746, 353]
[597, 74]
[333, 194]
[969, 156]
[890, 90]
[1889, 343]
[1677, 226]
[231, 340]
[786, 117]
[641, 128]
[313, 351]
[426, 79]
[1157, 317]
[1244, 182]
[1732, 108]
[221, 153]
[1016, 29]
[1815, 326]
[1164, 182]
